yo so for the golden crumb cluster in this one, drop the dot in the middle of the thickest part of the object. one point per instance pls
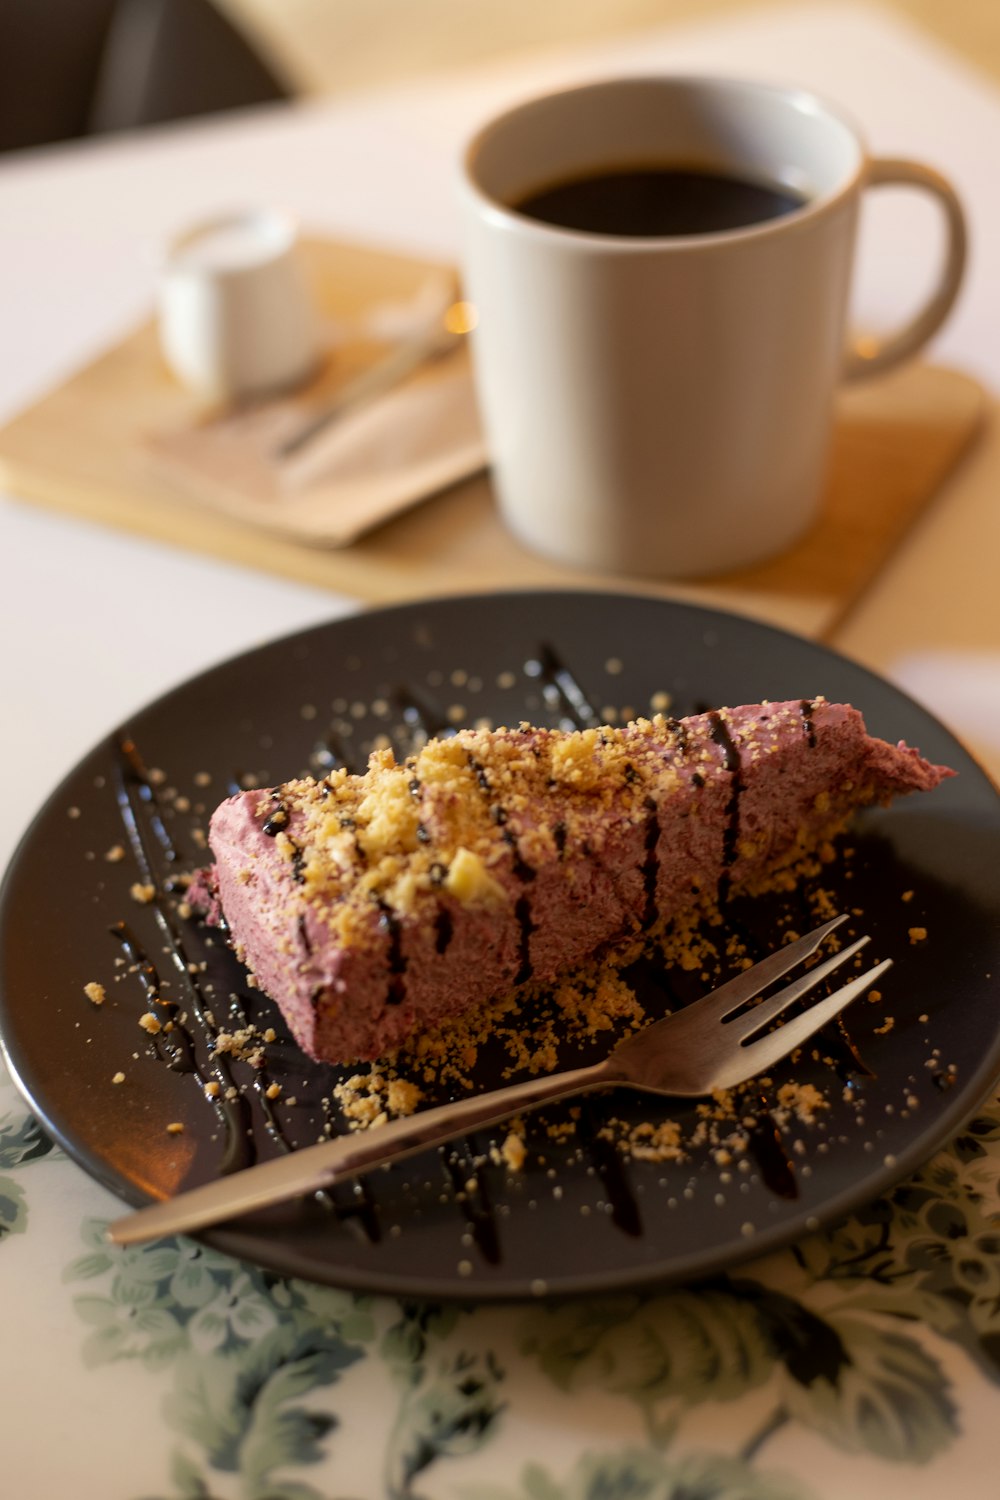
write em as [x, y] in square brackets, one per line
[368, 1100]
[458, 813]
[468, 810]
[244, 1043]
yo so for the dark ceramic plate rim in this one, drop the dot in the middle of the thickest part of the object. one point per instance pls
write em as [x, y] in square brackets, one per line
[277, 1252]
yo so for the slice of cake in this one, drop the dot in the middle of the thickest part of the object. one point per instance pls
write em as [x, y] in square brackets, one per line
[372, 906]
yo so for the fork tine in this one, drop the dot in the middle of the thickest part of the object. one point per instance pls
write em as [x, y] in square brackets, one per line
[744, 1026]
[737, 991]
[757, 1057]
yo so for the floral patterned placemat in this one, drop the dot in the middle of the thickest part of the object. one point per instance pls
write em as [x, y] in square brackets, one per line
[862, 1361]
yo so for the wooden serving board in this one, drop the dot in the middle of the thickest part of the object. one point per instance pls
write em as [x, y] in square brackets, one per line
[86, 448]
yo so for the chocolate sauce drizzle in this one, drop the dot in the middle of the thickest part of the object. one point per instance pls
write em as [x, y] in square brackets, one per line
[178, 1049]
[352, 1203]
[522, 914]
[238, 1020]
[330, 753]
[444, 930]
[651, 863]
[475, 1203]
[298, 863]
[174, 1044]
[423, 713]
[679, 730]
[350, 826]
[611, 1171]
[134, 778]
[482, 780]
[839, 1047]
[180, 1046]
[396, 959]
[765, 1145]
[730, 835]
[277, 822]
[303, 931]
[523, 872]
[561, 690]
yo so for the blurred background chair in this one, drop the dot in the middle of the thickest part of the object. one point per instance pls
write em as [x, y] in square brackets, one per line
[71, 68]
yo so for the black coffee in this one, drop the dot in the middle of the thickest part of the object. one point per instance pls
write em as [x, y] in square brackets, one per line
[651, 202]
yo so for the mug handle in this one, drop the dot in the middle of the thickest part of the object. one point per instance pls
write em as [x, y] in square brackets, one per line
[871, 355]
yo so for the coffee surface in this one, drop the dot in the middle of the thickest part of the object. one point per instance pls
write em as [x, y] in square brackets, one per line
[654, 202]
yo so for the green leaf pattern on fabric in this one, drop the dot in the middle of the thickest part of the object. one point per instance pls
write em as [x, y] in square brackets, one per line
[22, 1141]
[688, 1346]
[888, 1398]
[245, 1351]
[826, 1336]
[639, 1474]
[13, 1209]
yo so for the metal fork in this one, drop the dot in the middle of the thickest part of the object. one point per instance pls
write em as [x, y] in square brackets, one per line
[714, 1043]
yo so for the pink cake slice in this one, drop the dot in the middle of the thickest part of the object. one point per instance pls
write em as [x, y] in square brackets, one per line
[370, 907]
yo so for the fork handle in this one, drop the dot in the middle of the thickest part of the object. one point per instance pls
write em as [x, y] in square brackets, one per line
[318, 1167]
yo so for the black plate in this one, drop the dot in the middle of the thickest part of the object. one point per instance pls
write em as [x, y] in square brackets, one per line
[582, 1218]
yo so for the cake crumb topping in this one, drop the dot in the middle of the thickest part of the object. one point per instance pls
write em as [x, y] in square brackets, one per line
[513, 1151]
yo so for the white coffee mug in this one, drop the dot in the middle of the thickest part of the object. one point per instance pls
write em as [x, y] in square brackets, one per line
[236, 316]
[663, 405]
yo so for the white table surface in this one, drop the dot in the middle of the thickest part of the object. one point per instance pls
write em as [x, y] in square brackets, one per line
[94, 623]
